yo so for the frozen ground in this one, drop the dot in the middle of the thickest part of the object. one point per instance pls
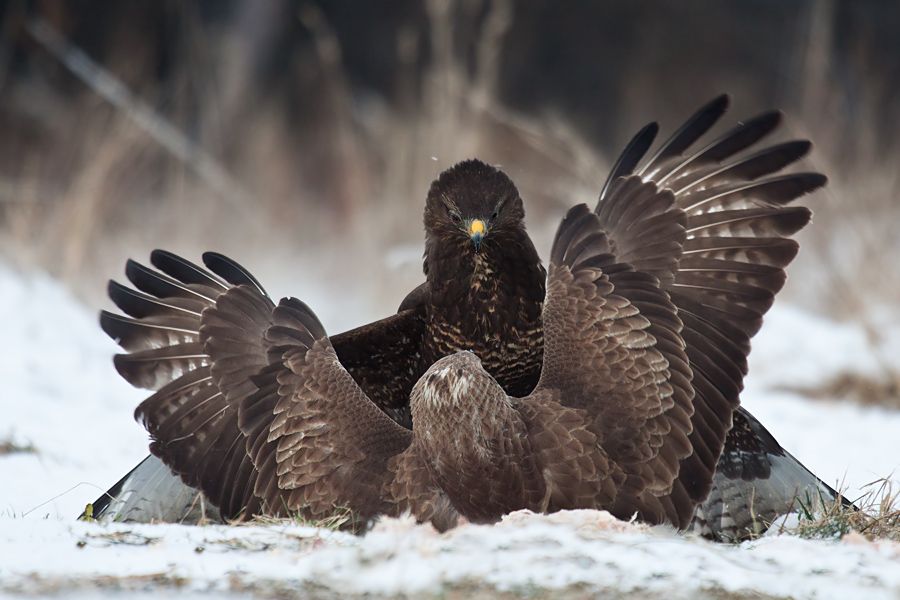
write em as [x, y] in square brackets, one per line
[60, 396]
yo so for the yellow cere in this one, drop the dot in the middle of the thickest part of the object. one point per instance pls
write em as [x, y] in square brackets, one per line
[476, 227]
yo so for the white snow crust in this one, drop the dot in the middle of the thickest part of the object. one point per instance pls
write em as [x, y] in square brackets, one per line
[60, 394]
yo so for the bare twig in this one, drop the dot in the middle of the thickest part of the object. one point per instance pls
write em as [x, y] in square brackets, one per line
[113, 90]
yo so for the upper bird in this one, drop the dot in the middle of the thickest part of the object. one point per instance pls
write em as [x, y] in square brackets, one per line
[712, 231]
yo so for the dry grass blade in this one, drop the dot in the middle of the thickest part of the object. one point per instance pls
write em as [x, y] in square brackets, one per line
[877, 516]
[863, 389]
[127, 538]
[341, 519]
[11, 447]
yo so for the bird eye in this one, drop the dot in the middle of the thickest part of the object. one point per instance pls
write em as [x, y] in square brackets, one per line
[454, 216]
[497, 209]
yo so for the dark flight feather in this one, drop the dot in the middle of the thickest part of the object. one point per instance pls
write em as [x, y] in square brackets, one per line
[689, 132]
[162, 286]
[631, 155]
[184, 270]
[139, 305]
[739, 138]
[765, 161]
[231, 271]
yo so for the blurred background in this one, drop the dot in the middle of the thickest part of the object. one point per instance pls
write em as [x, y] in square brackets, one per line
[300, 137]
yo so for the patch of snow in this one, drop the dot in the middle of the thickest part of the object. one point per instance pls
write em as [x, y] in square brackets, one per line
[845, 444]
[525, 551]
[799, 349]
[60, 393]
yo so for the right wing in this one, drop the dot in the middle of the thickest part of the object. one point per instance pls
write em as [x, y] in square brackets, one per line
[729, 267]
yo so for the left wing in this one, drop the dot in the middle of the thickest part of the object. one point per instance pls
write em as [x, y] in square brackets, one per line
[600, 358]
[316, 439]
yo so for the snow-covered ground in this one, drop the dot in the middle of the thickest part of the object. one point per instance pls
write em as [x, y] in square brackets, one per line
[60, 394]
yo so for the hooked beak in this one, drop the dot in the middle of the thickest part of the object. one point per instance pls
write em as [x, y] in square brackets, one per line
[477, 231]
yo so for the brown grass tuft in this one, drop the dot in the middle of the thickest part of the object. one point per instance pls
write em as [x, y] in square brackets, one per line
[10, 447]
[855, 387]
[877, 516]
[341, 519]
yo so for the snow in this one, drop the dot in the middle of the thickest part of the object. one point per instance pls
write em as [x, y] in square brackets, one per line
[60, 394]
[525, 552]
[841, 442]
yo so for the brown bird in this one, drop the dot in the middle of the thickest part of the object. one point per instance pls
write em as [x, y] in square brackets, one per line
[605, 427]
[609, 419]
[483, 292]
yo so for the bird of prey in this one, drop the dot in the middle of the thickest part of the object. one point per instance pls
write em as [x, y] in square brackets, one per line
[484, 292]
[605, 427]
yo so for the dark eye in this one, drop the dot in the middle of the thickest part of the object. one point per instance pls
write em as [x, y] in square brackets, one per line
[454, 216]
[497, 210]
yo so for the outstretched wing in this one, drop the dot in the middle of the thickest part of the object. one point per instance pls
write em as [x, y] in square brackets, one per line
[192, 428]
[318, 442]
[196, 336]
[731, 263]
[600, 357]
[191, 422]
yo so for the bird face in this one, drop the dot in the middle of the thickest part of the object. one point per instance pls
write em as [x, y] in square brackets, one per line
[472, 205]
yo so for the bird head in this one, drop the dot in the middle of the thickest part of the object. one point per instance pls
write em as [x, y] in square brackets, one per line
[452, 381]
[472, 205]
[456, 397]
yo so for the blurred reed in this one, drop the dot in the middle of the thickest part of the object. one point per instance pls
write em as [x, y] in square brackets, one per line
[327, 194]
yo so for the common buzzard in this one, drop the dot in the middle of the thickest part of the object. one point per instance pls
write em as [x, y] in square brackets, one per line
[605, 427]
[720, 264]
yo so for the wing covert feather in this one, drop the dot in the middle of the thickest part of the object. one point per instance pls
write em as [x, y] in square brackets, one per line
[319, 442]
[600, 358]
